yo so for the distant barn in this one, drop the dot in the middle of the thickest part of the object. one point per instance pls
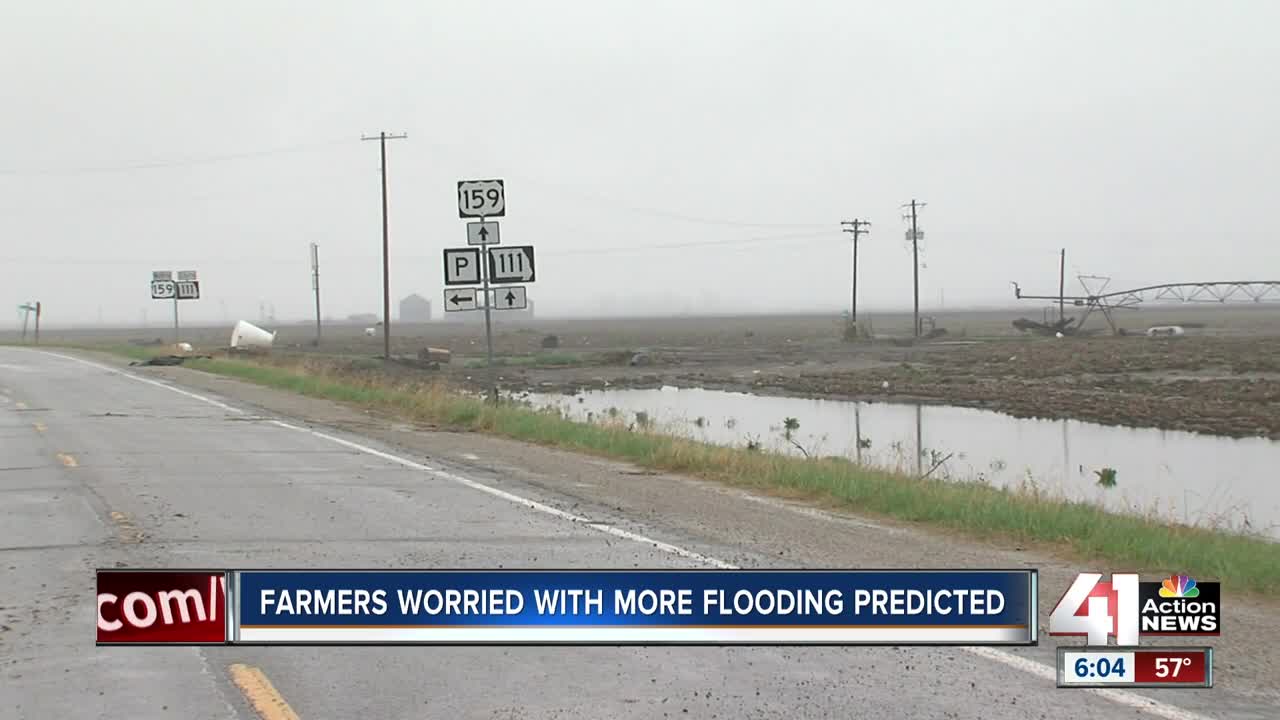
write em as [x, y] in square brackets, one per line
[415, 308]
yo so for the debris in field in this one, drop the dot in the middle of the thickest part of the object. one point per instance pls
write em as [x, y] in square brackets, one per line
[165, 360]
[247, 336]
[551, 342]
[1165, 331]
[369, 332]
[641, 358]
[1060, 327]
[434, 355]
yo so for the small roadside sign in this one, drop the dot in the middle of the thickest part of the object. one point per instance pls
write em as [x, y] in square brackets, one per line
[460, 299]
[481, 198]
[511, 264]
[186, 276]
[482, 233]
[158, 275]
[461, 266]
[512, 297]
[163, 290]
[188, 290]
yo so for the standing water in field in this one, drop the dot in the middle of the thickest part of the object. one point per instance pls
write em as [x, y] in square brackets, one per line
[1177, 476]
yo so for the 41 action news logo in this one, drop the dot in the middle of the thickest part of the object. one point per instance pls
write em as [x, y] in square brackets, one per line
[1126, 608]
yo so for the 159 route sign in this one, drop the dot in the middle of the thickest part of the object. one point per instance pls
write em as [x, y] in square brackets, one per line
[481, 199]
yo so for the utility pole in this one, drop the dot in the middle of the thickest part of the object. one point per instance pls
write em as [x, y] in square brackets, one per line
[315, 285]
[857, 227]
[38, 311]
[382, 139]
[914, 236]
[27, 309]
[1062, 285]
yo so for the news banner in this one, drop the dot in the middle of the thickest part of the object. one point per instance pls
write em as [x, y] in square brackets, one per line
[671, 607]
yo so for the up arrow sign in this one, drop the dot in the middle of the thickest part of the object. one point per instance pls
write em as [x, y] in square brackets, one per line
[483, 233]
[511, 264]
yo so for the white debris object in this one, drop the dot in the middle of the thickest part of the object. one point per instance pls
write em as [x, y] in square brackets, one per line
[248, 335]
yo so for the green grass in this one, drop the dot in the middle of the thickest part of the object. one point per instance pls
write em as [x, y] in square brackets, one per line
[1082, 530]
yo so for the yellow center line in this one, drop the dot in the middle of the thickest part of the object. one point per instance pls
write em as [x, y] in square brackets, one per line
[261, 694]
[40, 427]
[68, 460]
[128, 532]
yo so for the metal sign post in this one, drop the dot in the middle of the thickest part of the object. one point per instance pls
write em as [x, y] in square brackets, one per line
[488, 317]
[315, 285]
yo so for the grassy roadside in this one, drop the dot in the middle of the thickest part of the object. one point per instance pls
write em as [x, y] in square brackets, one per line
[1078, 529]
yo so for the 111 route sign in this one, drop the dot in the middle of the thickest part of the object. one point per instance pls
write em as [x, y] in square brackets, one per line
[511, 264]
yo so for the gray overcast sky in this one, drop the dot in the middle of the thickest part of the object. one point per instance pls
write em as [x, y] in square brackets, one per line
[1140, 135]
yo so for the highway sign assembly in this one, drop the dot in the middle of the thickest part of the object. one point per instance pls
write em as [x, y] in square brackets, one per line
[481, 199]
[511, 264]
[482, 233]
[461, 266]
[483, 263]
[460, 299]
[164, 287]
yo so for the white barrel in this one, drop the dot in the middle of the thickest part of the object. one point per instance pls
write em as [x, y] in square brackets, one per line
[247, 335]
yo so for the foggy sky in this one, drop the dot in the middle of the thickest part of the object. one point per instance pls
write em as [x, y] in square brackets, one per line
[225, 137]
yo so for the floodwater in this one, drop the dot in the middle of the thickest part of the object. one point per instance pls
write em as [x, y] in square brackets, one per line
[1183, 477]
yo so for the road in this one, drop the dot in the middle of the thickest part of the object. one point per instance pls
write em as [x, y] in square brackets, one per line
[102, 467]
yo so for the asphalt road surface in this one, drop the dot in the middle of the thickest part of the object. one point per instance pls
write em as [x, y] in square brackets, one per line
[101, 467]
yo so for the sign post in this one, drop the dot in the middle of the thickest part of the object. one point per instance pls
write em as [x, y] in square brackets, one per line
[315, 285]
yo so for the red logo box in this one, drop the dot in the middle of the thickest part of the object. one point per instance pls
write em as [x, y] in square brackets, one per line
[181, 607]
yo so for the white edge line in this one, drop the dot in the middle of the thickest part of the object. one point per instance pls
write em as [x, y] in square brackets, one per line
[1120, 697]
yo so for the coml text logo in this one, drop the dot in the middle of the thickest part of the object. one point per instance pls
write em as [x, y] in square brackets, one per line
[1125, 608]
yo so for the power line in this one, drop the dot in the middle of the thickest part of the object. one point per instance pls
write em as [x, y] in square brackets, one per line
[695, 243]
[118, 261]
[184, 162]
[637, 209]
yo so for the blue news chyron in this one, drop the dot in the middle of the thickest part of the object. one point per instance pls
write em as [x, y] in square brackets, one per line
[1019, 589]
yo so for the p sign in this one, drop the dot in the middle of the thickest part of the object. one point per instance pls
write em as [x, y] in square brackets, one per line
[461, 266]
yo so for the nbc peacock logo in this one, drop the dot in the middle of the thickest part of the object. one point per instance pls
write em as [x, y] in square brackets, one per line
[1179, 586]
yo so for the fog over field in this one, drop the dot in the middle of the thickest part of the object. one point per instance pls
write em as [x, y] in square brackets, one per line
[663, 157]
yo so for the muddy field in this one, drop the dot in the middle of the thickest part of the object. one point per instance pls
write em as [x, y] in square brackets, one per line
[1222, 377]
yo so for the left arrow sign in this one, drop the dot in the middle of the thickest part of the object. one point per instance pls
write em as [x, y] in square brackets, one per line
[459, 299]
